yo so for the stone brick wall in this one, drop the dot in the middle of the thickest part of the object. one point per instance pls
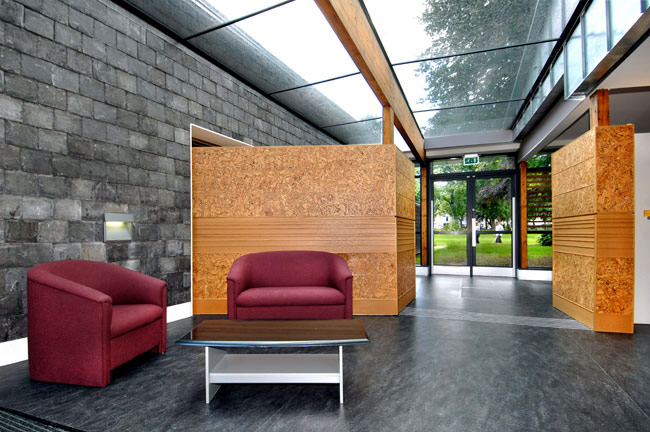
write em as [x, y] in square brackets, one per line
[95, 107]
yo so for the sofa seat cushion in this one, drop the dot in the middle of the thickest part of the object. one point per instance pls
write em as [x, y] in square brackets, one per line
[133, 316]
[290, 296]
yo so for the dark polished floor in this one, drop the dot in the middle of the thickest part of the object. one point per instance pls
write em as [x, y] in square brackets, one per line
[444, 365]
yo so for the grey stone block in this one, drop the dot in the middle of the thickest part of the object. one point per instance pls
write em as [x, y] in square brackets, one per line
[55, 10]
[127, 45]
[83, 231]
[93, 47]
[120, 136]
[10, 157]
[21, 88]
[166, 165]
[146, 54]
[67, 36]
[80, 105]
[38, 115]
[148, 125]
[53, 232]
[167, 265]
[157, 77]
[128, 156]
[51, 52]
[37, 208]
[9, 59]
[19, 231]
[67, 209]
[146, 89]
[105, 34]
[104, 192]
[154, 41]
[82, 189]
[34, 161]
[108, 153]
[91, 88]
[137, 67]
[67, 251]
[66, 166]
[128, 194]
[164, 63]
[10, 108]
[182, 136]
[173, 84]
[12, 12]
[93, 129]
[116, 58]
[146, 232]
[11, 206]
[21, 40]
[67, 122]
[137, 250]
[127, 119]
[165, 131]
[155, 110]
[56, 142]
[53, 187]
[116, 97]
[104, 72]
[127, 81]
[93, 251]
[136, 103]
[182, 168]
[80, 21]
[65, 79]
[172, 216]
[117, 173]
[39, 24]
[51, 96]
[117, 251]
[83, 147]
[138, 141]
[104, 112]
[95, 170]
[177, 151]
[79, 62]
[157, 180]
[38, 69]
[13, 292]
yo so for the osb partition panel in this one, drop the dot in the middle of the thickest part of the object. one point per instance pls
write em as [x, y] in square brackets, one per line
[294, 181]
[574, 278]
[615, 169]
[341, 199]
[593, 227]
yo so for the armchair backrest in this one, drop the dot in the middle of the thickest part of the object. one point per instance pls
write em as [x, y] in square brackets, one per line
[109, 279]
[288, 268]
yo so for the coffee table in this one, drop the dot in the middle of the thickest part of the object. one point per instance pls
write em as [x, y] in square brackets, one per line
[225, 368]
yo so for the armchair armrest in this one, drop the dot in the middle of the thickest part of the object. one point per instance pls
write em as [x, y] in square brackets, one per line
[128, 287]
[342, 279]
[68, 331]
[237, 281]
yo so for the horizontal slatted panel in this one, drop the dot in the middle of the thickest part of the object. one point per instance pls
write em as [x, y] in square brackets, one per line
[575, 235]
[538, 192]
[405, 234]
[332, 234]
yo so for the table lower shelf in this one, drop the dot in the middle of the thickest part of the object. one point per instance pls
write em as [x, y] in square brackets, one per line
[276, 368]
[223, 368]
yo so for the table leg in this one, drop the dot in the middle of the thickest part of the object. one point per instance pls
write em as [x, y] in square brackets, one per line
[341, 373]
[212, 358]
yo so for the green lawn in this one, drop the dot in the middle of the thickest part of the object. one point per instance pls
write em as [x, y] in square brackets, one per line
[452, 249]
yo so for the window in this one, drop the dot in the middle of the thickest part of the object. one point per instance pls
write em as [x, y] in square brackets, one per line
[540, 217]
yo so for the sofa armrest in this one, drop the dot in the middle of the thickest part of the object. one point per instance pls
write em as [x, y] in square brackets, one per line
[342, 279]
[237, 281]
[68, 329]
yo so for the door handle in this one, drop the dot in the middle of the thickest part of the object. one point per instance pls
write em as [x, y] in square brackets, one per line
[473, 232]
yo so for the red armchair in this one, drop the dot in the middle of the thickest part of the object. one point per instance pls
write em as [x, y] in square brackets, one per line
[290, 285]
[85, 318]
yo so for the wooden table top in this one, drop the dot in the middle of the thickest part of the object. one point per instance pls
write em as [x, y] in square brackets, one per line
[292, 333]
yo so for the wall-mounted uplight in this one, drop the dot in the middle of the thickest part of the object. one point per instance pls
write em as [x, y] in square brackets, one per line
[118, 226]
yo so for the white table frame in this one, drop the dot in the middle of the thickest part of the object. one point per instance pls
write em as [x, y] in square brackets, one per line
[223, 368]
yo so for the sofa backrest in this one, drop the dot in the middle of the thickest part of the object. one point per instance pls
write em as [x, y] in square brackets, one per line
[289, 268]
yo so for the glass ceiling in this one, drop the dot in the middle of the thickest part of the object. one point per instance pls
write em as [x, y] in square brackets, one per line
[464, 66]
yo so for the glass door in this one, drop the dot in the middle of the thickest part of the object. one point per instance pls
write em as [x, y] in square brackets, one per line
[493, 225]
[473, 225]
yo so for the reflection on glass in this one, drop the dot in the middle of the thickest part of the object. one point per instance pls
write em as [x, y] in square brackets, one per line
[494, 215]
[596, 34]
[623, 14]
[450, 222]
[487, 163]
[574, 67]
[558, 68]
[468, 119]
[367, 132]
[569, 8]
[418, 215]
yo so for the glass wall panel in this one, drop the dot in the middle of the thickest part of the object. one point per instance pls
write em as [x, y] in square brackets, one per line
[334, 102]
[467, 120]
[623, 14]
[418, 214]
[569, 8]
[494, 215]
[367, 132]
[595, 21]
[487, 163]
[574, 72]
[289, 46]
[450, 222]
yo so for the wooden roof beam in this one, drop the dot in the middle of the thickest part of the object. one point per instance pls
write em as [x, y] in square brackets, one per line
[351, 25]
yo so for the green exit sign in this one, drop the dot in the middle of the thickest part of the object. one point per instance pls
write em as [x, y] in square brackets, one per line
[470, 159]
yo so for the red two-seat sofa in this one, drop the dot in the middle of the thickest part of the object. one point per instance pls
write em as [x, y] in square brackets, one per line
[85, 318]
[290, 285]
